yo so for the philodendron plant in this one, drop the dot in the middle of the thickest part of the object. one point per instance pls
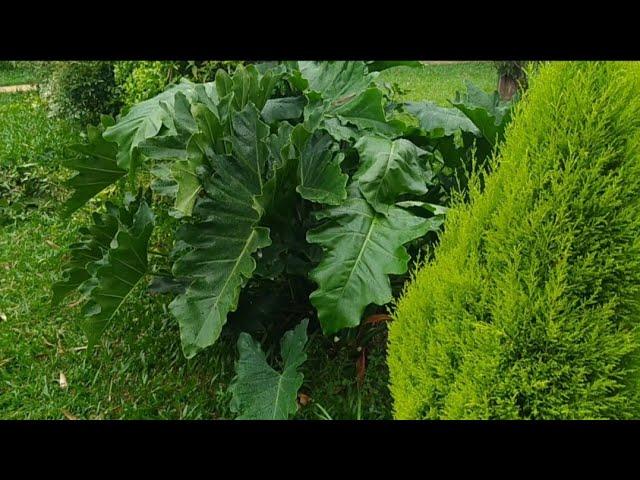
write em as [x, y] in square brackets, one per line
[293, 173]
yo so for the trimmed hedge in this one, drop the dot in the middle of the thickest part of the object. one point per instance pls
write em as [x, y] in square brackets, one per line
[531, 305]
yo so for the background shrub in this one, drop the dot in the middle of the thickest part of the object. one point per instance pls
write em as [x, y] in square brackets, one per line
[530, 308]
[80, 91]
[138, 81]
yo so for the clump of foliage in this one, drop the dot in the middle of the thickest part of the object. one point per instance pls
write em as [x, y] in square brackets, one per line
[530, 308]
[284, 207]
[141, 80]
[80, 91]
[22, 189]
[138, 81]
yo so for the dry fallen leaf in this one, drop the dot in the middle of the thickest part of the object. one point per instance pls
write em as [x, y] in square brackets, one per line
[3, 317]
[303, 399]
[69, 415]
[52, 245]
[63, 381]
[377, 318]
[361, 367]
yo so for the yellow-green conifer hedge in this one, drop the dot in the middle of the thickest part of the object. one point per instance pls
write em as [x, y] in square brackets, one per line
[530, 308]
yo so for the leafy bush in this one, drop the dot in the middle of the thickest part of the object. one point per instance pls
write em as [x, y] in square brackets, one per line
[530, 308]
[138, 81]
[311, 196]
[80, 91]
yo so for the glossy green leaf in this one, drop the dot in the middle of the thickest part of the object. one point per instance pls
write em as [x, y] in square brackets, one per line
[143, 121]
[287, 108]
[487, 112]
[440, 121]
[259, 392]
[96, 166]
[388, 169]
[379, 65]
[179, 170]
[223, 235]
[247, 86]
[92, 247]
[320, 178]
[124, 265]
[336, 80]
[347, 120]
[362, 247]
[343, 88]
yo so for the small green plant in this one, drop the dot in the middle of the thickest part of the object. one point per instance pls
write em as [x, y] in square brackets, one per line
[260, 392]
[530, 309]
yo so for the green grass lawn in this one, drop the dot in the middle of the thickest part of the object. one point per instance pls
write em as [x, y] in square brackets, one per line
[439, 83]
[18, 75]
[138, 370]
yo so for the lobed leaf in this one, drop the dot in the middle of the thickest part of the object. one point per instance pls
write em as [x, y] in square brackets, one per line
[320, 178]
[124, 265]
[259, 392]
[97, 167]
[487, 112]
[223, 235]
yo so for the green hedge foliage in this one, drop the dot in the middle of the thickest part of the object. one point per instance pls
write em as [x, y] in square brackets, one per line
[530, 307]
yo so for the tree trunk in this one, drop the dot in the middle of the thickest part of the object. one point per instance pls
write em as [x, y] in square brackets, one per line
[507, 86]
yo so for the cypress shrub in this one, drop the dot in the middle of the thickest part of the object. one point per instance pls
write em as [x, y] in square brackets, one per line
[530, 306]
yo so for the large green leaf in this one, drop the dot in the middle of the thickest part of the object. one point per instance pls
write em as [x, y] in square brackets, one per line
[287, 108]
[366, 111]
[96, 166]
[247, 86]
[320, 178]
[440, 121]
[345, 118]
[362, 248]
[341, 94]
[223, 235]
[143, 121]
[388, 169]
[487, 111]
[259, 392]
[379, 65]
[92, 247]
[280, 203]
[189, 186]
[336, 81]
[120, 270]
